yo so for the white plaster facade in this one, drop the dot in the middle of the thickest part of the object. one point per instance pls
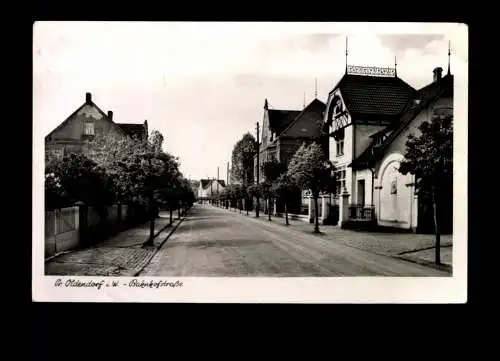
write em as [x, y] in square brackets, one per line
[395, 202]
[400, 209]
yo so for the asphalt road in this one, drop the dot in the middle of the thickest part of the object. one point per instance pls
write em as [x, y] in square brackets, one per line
[215, 242]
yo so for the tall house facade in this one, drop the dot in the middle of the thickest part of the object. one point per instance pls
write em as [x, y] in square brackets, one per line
[365, 101]
[84, 124]
[369, 115]
[282, 134]
[284, 131]
[394, 198]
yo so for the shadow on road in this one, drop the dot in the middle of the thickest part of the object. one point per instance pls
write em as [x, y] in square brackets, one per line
[226, 243]
[189, 225]
[202, 217]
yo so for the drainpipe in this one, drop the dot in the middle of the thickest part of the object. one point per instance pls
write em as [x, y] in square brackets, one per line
[372, 168]
[412, 199]
[373, 185]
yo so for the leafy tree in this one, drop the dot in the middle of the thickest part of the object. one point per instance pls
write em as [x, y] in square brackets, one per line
[429, 157]
[53, 191]
[186, 195]
[239, 195]
[195, 184]
[224, 195]
[256, 191]
[233, 193]
[77, 178]
[243, 160]
[170, 194]
[229, 192]
[284, 188]
[271, 170]
[247, 198]
[310, 169]
[141, 169]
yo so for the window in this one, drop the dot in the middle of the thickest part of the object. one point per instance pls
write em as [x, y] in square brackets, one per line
[339, 141]
[89, 128]
[340, 180]
[340, 147]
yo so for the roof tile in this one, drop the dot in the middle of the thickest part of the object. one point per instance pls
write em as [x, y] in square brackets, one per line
[426, 95]
[133, 130]
[375, 95]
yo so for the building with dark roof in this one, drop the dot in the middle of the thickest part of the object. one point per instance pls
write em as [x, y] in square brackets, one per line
[369, 119]
[282, 134]
[284, 131]
[209, 187]
[84, 124]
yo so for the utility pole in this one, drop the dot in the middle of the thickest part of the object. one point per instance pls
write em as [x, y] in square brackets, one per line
[217, 185]
[258, 168]
[227, 174]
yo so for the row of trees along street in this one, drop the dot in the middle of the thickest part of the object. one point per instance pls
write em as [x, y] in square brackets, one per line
[116, 170]
[428, 156]
[309, 169]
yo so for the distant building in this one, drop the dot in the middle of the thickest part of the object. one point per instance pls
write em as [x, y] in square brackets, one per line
[209, 188]
[284, 131]
[86, 122]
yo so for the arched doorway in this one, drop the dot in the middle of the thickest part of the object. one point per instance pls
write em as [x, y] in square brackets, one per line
[395, 198]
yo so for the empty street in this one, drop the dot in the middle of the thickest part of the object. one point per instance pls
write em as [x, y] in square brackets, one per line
[216, 242]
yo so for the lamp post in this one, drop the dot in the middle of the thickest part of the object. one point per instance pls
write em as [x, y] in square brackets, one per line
[257, 206]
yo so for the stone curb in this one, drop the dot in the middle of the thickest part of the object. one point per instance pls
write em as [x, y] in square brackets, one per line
[160, 231]
[401, 256]
[442, 267]
[157, 248]
[48, 259]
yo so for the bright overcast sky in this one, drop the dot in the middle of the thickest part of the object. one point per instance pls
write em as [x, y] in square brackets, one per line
[203, 85]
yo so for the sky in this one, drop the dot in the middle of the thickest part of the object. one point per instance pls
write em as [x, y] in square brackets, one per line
[203, 85]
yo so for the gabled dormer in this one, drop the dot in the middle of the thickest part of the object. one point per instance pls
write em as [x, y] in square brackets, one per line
[367, 99]
[274, 122]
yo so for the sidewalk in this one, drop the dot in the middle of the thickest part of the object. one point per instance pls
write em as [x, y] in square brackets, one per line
[412, 247]
[121, 255]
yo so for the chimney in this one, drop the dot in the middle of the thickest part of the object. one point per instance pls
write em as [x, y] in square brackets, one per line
[88, 98]
[438, 73]
[110, 115]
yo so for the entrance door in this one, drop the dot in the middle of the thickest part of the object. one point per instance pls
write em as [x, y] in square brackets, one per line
[361, 192]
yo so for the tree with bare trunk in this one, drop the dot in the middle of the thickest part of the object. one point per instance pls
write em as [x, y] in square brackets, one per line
[429, 157]
[284, 189]
[311, 170]
[140, 169]
[271, 170]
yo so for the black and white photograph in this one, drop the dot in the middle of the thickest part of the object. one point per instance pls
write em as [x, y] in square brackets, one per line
[250, 162]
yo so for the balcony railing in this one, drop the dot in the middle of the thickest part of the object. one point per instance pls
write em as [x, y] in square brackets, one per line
[362, 212]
